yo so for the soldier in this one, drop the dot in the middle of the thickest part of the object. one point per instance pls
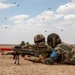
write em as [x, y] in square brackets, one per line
[27, 45]
[40, 45]
[39, 41]
[63, 52]
[22, 44]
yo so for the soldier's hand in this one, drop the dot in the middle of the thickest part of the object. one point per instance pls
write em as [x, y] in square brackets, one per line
[27, 57]
[41, 59]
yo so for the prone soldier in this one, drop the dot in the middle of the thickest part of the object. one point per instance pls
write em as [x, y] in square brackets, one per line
[42, 50]
[62, 52]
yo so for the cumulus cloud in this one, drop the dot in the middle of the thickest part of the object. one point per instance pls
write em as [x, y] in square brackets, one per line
[67, 8]
[38, 22]
[19, 18]
[25, 28]
[69, 17]
[3, 5]
[44, 18]
[2, 0]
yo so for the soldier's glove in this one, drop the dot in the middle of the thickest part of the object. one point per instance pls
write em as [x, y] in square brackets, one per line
[49, 61]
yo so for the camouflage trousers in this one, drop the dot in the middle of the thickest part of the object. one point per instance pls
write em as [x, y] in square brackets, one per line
[68, 57]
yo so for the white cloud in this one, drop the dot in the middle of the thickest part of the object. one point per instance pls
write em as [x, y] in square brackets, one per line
[69, 17]
[2, 0]
[44, 18]
[39, 21]
[25, 28]
[19, 18]
[49, 15]
[3, 5]
[67, 8]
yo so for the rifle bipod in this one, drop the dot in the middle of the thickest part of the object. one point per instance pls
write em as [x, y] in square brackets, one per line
[16, 59]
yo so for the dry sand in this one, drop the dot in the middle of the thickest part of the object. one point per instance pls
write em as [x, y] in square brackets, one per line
[7, 67]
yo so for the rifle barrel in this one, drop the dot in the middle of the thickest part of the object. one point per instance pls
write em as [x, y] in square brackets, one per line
[6, 49]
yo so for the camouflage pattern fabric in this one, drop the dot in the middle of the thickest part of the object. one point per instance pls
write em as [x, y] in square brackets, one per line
[40, 48]
[53, 40]
[39, 38]
[22, 44]
[27, 45]
[67, 53]
[43, 51]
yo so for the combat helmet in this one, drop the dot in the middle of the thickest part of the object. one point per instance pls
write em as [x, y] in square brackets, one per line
[53, 40]
[22, 43]
[39, 38]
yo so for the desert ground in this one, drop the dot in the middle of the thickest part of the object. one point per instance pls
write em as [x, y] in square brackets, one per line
[7, 67]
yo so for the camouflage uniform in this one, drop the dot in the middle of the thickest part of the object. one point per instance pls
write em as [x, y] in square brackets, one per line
[27, 45]
[22, 44]
[65, 51]
[40, 47]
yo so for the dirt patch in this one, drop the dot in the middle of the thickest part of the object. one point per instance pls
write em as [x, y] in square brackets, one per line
[7, 67]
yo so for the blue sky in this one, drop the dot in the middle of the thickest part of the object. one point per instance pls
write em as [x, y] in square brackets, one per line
[21, 20]
[29, 7]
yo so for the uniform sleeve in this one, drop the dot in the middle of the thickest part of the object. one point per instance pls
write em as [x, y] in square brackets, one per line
[53, 56]
[58, 50]
[49, 48]
[49, 61]
[36, 59]
[33, 58]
